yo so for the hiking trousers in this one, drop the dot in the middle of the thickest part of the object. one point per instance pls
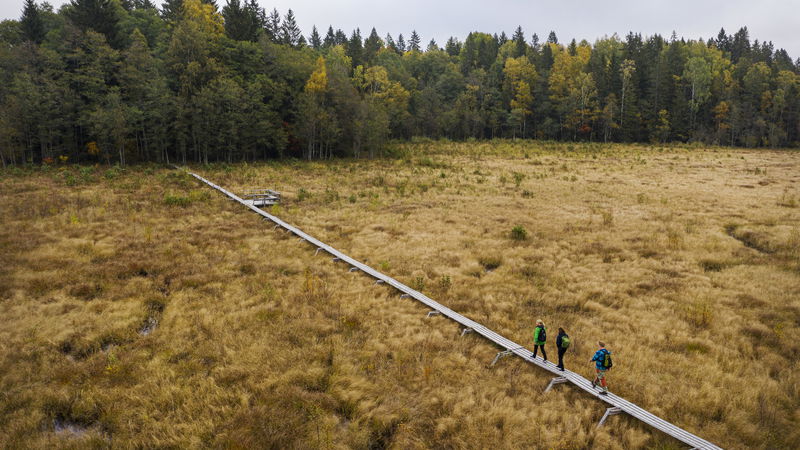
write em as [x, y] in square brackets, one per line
[601, 379]
[536, 348]
[561, 352]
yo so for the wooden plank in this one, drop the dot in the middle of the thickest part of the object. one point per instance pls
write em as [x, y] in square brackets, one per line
[574, 378]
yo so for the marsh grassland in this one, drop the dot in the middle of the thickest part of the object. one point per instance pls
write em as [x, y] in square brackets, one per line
[141, 309]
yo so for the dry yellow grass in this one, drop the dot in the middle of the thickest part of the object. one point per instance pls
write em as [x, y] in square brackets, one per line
[685, 261]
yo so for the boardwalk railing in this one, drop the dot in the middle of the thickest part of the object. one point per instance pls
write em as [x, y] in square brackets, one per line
[616, 404]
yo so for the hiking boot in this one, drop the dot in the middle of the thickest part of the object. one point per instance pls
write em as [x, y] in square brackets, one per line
[603, 393]
[561, 369]
[594, 385]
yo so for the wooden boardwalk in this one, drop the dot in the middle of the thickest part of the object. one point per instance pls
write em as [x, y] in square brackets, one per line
[616, 404]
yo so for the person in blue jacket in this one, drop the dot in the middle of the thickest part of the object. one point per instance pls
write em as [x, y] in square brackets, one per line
[602, 363]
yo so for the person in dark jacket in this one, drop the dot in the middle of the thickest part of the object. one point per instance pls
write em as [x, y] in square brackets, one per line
[539, 338]
[561, 345]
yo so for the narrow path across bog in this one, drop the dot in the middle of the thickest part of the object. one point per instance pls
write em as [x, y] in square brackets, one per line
[616, 404]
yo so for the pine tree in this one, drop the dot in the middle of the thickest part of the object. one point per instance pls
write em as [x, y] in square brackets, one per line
[290, 32]
[330, 38]
[31, 23]
[314, 39]
[414, 42]
[551, 38]
[503, 38]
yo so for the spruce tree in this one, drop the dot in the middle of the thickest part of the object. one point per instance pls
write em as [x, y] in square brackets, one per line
[551, 38]
[330, 38]
[372, 45]
[31, 23]
[432, 46]
[341, 38]
[242, 23]
[535, 42]
[414, 41]
[452, 47]
[401, 43]
[355, 48]
[143, 4]
[503, 38]
[274, 25]
[171, 10]
[740, 45]
[98, 15]
[519, 40]
[390, 42]
[315, 40]
[290, 32]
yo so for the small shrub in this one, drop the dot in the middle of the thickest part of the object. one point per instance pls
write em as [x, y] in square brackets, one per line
[490, 262]
[699, 315]
[608, 217]
[70, 179]
[331, 195]
[696, 347]
[302, 194]
[787, 201]
[712, 265]
[418, 284]
[674, 238]
[519, 233]
[445, 283]
[518, 177]
[176, 200]
[86, 291]
[113, 173]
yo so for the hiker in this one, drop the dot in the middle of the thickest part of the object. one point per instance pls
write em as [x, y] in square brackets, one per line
[602, 363]
[539, 338]
[562, 344]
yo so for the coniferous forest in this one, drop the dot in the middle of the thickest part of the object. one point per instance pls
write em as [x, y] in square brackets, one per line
[125, 81]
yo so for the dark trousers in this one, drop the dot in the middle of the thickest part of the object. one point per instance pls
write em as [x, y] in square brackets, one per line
[536, 348]
[561, 352]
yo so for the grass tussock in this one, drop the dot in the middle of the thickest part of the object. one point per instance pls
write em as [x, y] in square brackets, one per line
[143, 310]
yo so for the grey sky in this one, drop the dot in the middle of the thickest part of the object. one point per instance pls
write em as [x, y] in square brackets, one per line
[771, 20]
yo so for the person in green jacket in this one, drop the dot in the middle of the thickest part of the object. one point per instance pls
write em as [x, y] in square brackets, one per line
[539, 338]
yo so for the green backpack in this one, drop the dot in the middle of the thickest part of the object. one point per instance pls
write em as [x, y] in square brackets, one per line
[565, 341]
